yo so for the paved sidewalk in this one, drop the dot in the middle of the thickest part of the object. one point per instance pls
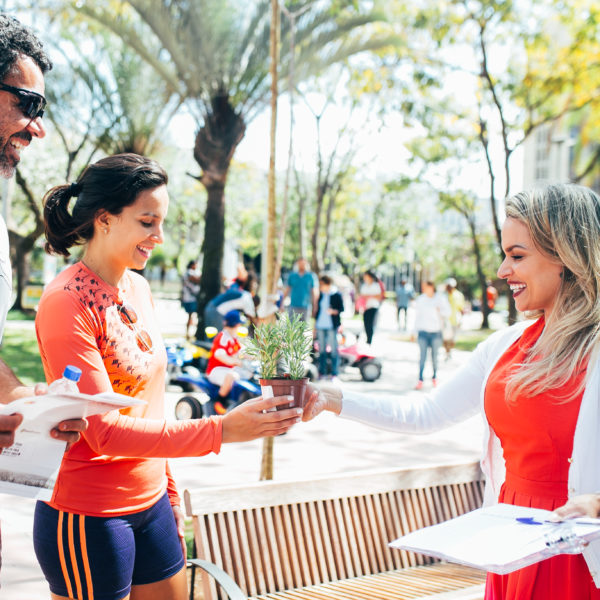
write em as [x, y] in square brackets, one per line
[324, 446]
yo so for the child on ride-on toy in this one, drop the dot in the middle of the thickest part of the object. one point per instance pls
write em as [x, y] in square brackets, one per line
[224, 363]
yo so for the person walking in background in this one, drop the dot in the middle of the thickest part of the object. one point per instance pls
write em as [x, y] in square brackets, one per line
[456, 300]
[491, 294]
[371, 297]
[241, 296]
[536, 385]
[404, 294]
[302, 291]
[190, 289]
[431, 309]
[113, 526]
[327, 322]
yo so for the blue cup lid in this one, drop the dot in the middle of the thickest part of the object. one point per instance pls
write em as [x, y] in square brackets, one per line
[72, 373]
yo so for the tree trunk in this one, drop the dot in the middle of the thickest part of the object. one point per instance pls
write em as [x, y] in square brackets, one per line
[485, 311]
[21, 246]
[266, 466]
[216, 142]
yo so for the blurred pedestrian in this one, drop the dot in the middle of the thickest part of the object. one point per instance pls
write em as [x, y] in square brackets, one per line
[241, 297]
[404, 294]
[456, 300]
[491, 294]
[371, 297]
[430, 311]
[302, 291]
[327, 322]
[189, 293]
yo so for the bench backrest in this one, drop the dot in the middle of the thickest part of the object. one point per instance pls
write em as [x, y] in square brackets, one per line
[271, 536]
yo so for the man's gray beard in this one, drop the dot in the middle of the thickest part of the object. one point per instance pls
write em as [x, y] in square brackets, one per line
[7, 169]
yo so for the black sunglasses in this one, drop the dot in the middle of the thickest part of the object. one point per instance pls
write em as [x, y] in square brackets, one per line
[31, 103]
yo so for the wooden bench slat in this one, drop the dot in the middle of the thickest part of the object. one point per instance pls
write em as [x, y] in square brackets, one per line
[287, 550]
[265, 543]
[258, 563]
[328, 561]
[437, 581]
[362, 529]
[353, 542]
[383, 532]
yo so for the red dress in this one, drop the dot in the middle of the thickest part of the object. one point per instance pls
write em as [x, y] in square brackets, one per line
[536, 433]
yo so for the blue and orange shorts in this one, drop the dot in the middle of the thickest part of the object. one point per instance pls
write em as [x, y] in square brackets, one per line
[100, 558]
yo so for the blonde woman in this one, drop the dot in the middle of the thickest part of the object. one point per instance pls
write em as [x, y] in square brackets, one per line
[537, 385]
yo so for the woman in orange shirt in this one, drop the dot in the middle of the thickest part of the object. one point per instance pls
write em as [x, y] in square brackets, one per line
[536, 384]
[113, 528]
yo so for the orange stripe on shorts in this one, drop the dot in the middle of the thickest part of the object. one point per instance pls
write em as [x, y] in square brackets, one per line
[85, 558]
[61, 554]
[74, 558]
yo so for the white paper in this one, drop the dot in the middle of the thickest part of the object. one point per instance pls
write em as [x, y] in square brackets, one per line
[493, 540]
[30, 466]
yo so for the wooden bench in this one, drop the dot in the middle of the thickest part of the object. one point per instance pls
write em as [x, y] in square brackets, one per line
[328, 538]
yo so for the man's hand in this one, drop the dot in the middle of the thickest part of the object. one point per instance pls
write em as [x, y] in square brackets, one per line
[585, 505]
[69, 431]
[8, 426]
[320, 398]
[66, 431]
[255, 419]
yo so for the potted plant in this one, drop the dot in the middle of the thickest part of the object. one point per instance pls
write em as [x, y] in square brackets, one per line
[282, 348]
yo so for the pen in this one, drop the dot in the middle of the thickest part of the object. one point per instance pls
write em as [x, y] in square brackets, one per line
[534, 521]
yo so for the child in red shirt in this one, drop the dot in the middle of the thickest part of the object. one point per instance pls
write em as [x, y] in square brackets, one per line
[224, 364]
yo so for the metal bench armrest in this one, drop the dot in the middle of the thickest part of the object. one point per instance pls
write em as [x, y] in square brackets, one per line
[223, 579]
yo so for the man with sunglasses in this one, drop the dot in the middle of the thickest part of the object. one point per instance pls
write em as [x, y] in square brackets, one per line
[23, 63]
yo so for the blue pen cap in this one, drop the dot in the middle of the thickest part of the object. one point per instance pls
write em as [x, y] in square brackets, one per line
[72, 373]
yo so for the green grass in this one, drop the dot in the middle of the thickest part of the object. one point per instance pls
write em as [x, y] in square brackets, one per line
[20, 352]
[20, 315]
[467, 340]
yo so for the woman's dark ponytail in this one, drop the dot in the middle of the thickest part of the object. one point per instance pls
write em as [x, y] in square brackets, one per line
[61, 230]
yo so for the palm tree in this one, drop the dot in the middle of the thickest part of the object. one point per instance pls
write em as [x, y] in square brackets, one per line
[215, 54]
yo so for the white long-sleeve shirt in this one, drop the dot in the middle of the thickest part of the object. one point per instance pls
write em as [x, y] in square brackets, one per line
[430, 313]
[463, 395]
[5, 275]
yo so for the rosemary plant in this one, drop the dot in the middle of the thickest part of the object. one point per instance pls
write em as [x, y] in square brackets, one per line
[297, 340]
[287, 342]
[265, 347]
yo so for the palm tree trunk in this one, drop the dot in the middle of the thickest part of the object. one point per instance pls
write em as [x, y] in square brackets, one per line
[216, 142]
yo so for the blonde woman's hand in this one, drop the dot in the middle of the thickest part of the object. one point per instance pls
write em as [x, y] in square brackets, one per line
[585, 505]
[256, 418]
[320, 398]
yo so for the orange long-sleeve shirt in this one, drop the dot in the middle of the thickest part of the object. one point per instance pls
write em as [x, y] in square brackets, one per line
[119, 466]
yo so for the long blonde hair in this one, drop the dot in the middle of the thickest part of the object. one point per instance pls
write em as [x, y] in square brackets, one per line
[564, 224]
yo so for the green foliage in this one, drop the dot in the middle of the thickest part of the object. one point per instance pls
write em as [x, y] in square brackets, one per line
[286, 342]
[296, 339]
[265, 347]
[20, 351]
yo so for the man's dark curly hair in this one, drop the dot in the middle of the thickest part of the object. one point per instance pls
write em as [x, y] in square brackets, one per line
[17, 41]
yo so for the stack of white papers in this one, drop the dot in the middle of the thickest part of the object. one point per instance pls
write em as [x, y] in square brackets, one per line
[501, 538]
[29, 467]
